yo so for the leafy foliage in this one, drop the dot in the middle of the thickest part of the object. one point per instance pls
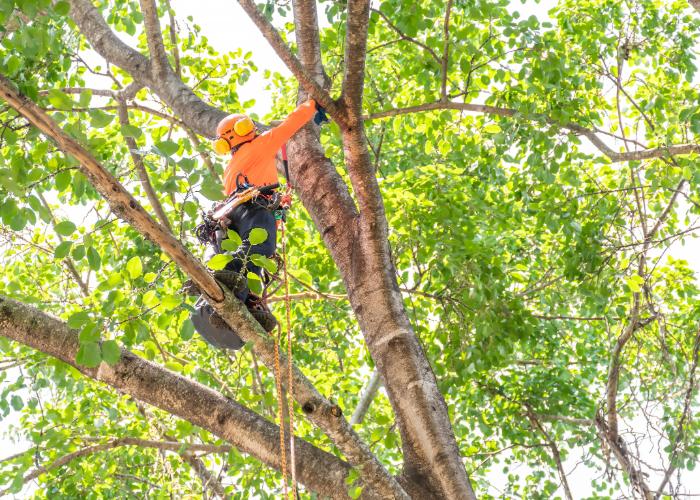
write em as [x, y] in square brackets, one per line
[519, 247]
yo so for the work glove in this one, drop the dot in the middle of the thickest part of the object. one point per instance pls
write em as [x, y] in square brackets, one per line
[320, 115]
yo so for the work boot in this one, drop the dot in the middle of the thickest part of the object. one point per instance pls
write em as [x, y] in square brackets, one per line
[230, 279]
[261, 312]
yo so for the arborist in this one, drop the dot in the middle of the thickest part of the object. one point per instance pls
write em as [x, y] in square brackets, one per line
[251, 186]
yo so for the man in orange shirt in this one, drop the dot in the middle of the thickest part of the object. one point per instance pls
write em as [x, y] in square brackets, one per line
[253, 163]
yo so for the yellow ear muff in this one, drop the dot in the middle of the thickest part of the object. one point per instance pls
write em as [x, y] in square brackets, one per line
[221, 146]
[243, 127]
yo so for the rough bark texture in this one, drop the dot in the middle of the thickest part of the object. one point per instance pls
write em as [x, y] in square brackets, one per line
[321, 411]
[146, 381]
[355, 236]
[161, 80]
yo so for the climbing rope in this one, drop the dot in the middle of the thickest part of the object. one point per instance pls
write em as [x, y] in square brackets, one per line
[288, 493]
[280, 415]
[290, 378]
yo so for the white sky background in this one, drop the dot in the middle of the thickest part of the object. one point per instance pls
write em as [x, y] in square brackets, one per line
[227, 27]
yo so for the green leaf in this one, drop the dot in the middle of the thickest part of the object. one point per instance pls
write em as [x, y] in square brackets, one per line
[635, 283]
[168, 148]
[100, 119]
[13, 64]
[186, 330]
[492, 128]
[266, 263]
[111, 352]
[219, 261]
[17, 403]
[78, 252]
[85, 98]
[254, 283]
[695, 123]
[150, 298]
[91, 332]
[355, 492]
[59, 100]
[130, 131]
[62, 249]
[18, 222]
[257, 235]
[17, 483]
[94, 259]
[149, 277]
[134, 267]
[232, 242]
[169, 302]
[211, 189]
[62, 180]
[65, 228]
[78, 319]
[61, 8]
[89, 355]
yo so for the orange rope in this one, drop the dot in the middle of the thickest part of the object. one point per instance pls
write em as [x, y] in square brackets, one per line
[280, 399]
[290, 378]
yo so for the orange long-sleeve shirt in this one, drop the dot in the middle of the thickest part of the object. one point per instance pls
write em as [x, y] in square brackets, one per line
[256, 159]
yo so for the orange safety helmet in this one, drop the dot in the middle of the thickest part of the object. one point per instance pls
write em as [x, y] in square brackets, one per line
[232, 131]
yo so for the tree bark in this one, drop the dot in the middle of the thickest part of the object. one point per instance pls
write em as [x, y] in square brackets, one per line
[318, 470]
[163, 80]
[321, 411]
[356, 239]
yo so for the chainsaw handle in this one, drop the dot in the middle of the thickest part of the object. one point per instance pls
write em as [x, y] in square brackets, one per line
[268, 189]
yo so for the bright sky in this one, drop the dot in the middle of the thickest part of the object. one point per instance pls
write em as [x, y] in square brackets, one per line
[228, 27]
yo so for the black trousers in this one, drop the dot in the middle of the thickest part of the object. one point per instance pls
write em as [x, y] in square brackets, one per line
[243, 220]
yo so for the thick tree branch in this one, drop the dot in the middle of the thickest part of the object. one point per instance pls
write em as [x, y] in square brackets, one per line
[308, 40]
[121, 202]
[619, 449]
[366, 398]
[104, 41]
[141, 170]
[201, 117]
[280, 47]
[591, 135]
[159, 58]
[431, 454]
[202, 406]
[322, 412]
[355, 57]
